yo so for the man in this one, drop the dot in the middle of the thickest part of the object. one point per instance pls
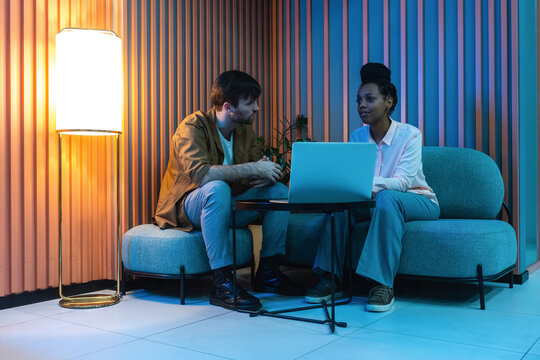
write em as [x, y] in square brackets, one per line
[214, 161]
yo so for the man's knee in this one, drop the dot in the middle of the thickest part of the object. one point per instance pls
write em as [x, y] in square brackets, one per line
[279, 190]
[217, 190]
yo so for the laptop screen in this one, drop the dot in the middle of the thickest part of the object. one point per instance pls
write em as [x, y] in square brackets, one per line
[331, 172]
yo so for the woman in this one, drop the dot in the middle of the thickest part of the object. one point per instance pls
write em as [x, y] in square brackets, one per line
[399, 189]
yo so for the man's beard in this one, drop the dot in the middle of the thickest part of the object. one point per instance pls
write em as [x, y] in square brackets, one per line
[244, 121]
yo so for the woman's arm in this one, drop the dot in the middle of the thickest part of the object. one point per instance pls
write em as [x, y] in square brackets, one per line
[406, 170]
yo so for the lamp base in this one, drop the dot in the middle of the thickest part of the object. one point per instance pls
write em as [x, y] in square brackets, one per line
[89, 301]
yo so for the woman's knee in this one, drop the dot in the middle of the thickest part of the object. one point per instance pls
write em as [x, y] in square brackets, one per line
[387, 199]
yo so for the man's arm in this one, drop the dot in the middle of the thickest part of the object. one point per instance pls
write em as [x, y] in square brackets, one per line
[262, 169]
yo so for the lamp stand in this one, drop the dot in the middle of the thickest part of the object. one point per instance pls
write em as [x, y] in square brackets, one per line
[91, 300]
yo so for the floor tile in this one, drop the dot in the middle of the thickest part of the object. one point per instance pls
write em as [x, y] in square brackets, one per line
[238, 336]
[354, 313]
[142, 317]
[520, 299]
[489, 328]
[45, 308]
[380, 345]
[531, 357]
[13, 316]
[144, 349]
[535, 350]
[47, 338]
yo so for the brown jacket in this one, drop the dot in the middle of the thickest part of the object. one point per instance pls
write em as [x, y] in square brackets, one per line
[195, 147]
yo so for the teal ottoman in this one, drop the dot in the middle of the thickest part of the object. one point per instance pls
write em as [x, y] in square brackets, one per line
[149, 251]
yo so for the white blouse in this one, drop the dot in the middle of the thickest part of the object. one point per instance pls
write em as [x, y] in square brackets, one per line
[398, 164]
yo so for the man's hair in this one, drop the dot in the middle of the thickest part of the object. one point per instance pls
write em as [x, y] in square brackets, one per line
[231, 86]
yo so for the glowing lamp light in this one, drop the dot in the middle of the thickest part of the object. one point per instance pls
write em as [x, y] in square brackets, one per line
[88, 82]
[89, 101]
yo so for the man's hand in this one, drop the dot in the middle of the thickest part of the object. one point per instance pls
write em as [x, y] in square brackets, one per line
[267, 170]
[257, 182]
[261, 173]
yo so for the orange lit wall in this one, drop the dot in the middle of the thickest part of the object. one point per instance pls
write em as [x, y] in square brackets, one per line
[29, 155]
[172, 52]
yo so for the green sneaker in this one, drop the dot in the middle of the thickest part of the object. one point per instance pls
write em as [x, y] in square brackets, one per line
[322, 291]
[381, 298]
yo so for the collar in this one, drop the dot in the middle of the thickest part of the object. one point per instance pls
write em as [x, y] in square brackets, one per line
[211, 118]
[389, 136]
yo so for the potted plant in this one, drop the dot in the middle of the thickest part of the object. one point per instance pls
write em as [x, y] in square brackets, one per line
[281, 152]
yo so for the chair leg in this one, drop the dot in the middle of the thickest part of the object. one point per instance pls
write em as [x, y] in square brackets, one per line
[182, 283]
[252, 274]
[123, 281]
[481, 287]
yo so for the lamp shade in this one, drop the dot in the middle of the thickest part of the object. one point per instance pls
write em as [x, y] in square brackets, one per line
[88, 82]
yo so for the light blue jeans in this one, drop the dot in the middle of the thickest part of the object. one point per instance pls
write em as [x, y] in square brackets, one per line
[380, 256]
[209, 208]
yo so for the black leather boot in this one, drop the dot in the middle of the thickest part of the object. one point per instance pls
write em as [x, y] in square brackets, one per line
[221, 293]
[270, 279]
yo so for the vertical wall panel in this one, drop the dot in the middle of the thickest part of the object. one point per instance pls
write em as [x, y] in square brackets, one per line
[538, 104]
[461, 75]
[421, 110]
[504, 100]
[478, 71]
[172, 52]
[16, 146]
[345, 43]
[514, 102]
[172, 62]
[30, 159]
[491, 77]
[441, 72]
[5, 179]
[463, 79]
[326, 69]
[403, 56]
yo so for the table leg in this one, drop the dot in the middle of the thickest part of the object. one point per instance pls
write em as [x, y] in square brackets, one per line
[333, 272]
[234, 255]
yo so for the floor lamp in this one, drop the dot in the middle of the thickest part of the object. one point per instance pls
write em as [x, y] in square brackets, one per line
[89, 102]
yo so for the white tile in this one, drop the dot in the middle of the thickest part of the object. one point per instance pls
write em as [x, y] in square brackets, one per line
[355, 313]
[522, 300]
[370, 344]
[238, 336]
[535, 350]
[144, 349]
[141, 317]
[47, 338]
[45, 308]
[13, 316]
[489, 328]
[531, 357]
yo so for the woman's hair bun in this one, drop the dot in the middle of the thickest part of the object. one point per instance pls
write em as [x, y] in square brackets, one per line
[373, 72]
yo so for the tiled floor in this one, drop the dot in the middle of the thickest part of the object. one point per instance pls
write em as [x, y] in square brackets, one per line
[431, 321]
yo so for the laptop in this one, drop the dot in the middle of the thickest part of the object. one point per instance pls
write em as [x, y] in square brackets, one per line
[331, 172]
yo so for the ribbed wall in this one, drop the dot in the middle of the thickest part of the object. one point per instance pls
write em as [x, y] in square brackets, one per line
[454, 63]
[175, 49]
[29, 156]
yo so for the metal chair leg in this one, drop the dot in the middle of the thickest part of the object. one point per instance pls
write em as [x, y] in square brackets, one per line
[182, 283]
[123, 282]
[481, 287]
